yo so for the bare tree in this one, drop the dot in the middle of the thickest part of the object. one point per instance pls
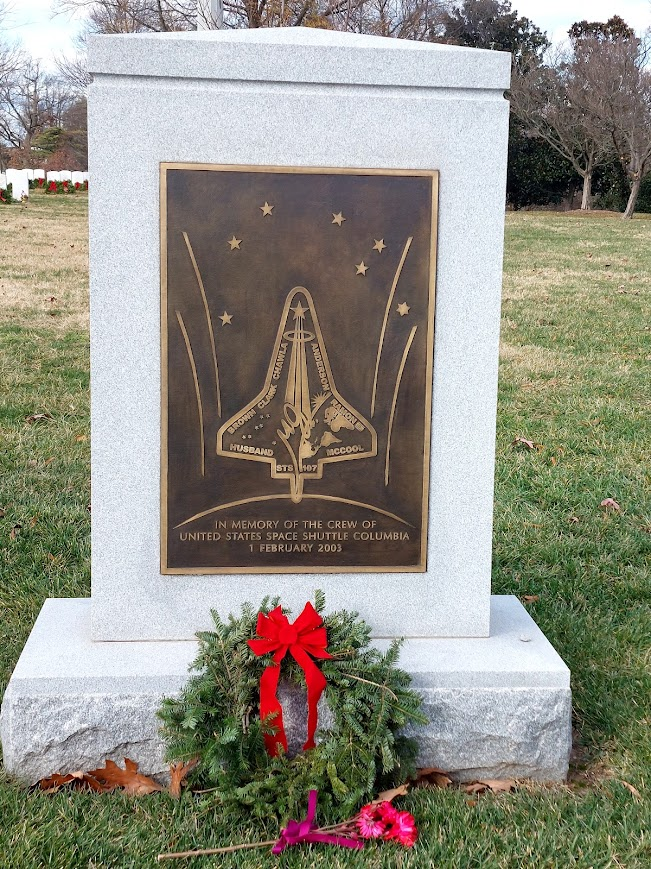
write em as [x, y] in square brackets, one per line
[552, 102]
[30, 101]
[73, 67]
[11, 55]
[414, 19]
[617, 86]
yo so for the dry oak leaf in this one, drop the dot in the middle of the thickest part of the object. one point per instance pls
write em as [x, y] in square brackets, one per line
[523, 442]
[530, 598]
[496, 786]
[77, 780]
[610, 504]
[178, 772]
[432, 776]
[631, 788]
[388, 796]
[133, 782]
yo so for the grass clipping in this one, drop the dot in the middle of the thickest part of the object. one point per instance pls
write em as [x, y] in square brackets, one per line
[216, 721]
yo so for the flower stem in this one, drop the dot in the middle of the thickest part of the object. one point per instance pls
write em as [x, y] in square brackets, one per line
[203, 852]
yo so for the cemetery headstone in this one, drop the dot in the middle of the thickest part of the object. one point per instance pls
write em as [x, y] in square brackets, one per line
[318, 219]
[18, 178]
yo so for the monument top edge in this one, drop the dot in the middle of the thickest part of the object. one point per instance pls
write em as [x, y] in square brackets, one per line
[298, 54]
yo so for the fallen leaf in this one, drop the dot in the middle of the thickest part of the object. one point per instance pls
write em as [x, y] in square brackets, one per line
[631, 788]
[33, 521]
[496, 786]
[81, 438]
[574, 520]
[15, 531]
[37, 417]
[178, 772]
[111, 776]
[48, 461]
[500, 786]
[432, 776]
[2, 512]
[524, 442]
[610, 504]
[77, 780]
[388, 796]
[530, 598]
[474, 788]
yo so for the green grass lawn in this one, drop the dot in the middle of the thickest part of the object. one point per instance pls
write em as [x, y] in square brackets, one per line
[575, 379]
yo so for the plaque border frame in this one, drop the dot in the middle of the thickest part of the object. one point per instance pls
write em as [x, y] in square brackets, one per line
[421, 567]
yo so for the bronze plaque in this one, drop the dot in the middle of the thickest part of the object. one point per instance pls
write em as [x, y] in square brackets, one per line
[297, 347]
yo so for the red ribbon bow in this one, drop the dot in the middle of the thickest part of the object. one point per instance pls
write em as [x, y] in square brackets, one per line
[307, 831]
[303, 638]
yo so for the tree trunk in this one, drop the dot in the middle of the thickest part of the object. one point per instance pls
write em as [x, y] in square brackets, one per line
[586, 201]
[632, 198]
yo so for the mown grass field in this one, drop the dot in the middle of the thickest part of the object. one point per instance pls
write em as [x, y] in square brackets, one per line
[575, 380]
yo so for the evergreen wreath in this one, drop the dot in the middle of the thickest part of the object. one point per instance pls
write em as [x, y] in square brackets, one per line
[216, 721]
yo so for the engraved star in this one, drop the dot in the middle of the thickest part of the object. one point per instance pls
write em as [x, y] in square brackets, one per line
[361, 269]
[338, 218]
[226, 319]
[403, 308]
[266, 208]
[379, 245]
[235, 243]
[299, 310]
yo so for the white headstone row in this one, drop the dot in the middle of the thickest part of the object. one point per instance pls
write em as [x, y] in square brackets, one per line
[64, 175]
[20, 178]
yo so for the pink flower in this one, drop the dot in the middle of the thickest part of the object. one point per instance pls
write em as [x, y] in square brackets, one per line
[403, 829]
[369, 823]
[387, 812]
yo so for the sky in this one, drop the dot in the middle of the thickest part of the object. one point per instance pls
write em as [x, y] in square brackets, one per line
[46, 36]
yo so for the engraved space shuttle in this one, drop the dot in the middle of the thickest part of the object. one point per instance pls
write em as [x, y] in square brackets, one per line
[299, 421]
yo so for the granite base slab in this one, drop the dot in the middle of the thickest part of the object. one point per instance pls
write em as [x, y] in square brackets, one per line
[499, 707]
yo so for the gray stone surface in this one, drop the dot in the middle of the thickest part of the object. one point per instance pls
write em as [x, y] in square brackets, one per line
[299, 55]
[499, 707]
[293, 97]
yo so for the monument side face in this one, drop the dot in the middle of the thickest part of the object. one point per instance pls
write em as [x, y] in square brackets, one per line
[271, 108]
